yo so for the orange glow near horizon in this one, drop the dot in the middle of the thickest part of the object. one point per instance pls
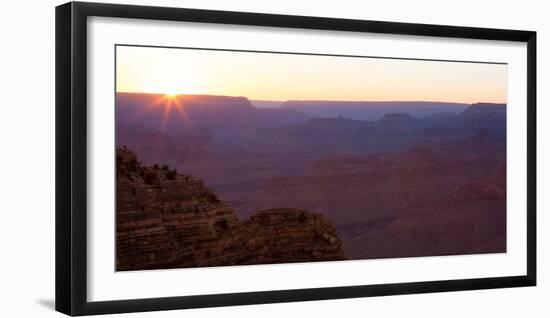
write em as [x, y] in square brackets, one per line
[280, 77]
[171, 103]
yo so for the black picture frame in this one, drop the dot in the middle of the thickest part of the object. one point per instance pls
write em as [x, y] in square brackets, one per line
[71, 157]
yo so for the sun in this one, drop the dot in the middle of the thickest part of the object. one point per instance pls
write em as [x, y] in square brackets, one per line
[170, 94]
[172, 87]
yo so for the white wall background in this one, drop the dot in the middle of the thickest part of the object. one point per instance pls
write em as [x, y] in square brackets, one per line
[27, 158]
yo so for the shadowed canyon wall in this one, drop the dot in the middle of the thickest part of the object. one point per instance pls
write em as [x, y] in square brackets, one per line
[169, 220]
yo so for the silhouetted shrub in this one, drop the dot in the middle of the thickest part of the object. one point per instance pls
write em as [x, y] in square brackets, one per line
[150, 177]
[133, 165]
[302, 218]
[171, 175]
[211, 197]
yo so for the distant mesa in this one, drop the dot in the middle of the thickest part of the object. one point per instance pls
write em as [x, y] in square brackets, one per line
[222, 113]
[485, 109]
[171, 115]
[190, 99]
[485, 116]
[372, 110]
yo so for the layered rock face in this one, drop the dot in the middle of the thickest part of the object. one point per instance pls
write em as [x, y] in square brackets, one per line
[292, 235]
[170, 220]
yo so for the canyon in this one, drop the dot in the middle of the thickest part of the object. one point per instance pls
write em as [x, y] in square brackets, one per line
[418, 179]
[446, 198]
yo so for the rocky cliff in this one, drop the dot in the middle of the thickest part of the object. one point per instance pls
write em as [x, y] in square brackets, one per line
[168, 220]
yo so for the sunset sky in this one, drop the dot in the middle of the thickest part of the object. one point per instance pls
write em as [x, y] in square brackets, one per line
[269, 76]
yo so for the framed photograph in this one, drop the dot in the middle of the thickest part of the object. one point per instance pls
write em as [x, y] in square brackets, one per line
[210, 158]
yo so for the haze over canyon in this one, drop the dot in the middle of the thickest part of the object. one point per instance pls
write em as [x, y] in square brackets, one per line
[369, 179]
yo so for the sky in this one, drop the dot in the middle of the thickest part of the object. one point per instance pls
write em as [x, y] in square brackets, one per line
[280, 77]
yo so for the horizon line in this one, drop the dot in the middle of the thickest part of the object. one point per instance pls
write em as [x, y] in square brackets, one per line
[315, 100]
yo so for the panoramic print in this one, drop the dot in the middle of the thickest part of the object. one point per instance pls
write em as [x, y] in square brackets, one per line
[230, 157]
